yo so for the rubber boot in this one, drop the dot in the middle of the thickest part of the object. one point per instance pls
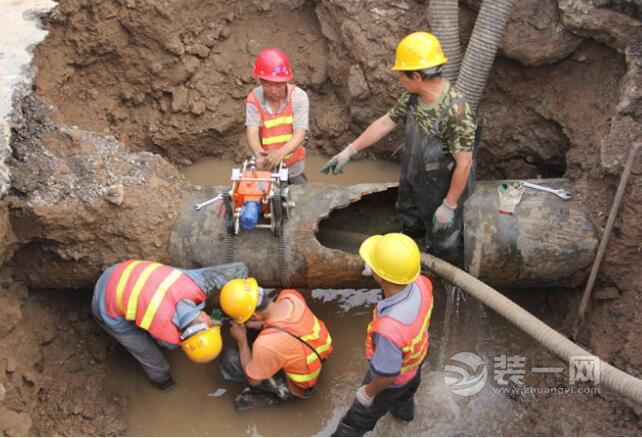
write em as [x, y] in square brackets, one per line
[252, 398]
[344, 429]
[165, 384]
[404, 410]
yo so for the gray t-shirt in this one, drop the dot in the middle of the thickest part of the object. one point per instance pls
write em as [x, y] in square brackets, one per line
[300, 109]
[300, 117]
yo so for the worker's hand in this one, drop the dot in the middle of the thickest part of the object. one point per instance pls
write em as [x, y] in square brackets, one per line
[339, 161]
[261, 161]
[363, 397]
[274, 157]
[238, 332]
[444, 217]
[256, 325]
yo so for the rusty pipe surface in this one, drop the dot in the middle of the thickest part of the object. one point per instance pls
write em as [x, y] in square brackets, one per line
[547, 242]
[199, 239]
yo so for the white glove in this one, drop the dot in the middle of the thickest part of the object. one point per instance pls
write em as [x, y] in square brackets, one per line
[338, 162]
[367, 271]
[363, 397]
[444, 217]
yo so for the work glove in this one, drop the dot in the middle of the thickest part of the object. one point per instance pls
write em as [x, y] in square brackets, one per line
[338, 162]
[363, 397]
[444, 217]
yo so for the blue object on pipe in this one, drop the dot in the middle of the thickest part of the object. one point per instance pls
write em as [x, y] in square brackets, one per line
[250, 215]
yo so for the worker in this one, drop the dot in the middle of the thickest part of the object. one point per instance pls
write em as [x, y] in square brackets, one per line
[285, 360]
[437, 155]
[397, 338]
[143, 304]
[276, 116]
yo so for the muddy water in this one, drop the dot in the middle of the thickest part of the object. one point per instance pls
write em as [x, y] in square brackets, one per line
[202, 404]
[214, 172]
[192, 408]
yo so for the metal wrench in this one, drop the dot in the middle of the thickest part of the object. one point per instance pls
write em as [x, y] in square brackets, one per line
[197, 207]
[558, 192]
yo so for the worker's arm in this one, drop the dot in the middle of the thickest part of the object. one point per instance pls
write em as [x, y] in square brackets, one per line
[275, 156]
[372, 134]
[385, 366]
[378, 384]
[254, 144]
[459, 179]
[239, 333]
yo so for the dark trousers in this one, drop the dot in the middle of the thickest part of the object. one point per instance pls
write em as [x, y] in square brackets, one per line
[400, 401]
[232, 371]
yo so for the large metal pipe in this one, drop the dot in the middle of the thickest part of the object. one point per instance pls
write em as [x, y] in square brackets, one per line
[199, 239]
[548, 242]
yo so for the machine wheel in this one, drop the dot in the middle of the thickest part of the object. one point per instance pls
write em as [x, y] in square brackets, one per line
[229, 227]
[277, 227]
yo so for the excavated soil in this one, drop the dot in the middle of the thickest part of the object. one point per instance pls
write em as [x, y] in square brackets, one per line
[128, 90]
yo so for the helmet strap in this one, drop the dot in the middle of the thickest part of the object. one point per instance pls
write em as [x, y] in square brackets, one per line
[263, 299]
[430, 73]
[193, 329]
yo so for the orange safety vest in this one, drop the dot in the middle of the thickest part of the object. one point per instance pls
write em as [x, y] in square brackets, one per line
[412, 338]
[311, 330]
[147, 293]
[277, 129]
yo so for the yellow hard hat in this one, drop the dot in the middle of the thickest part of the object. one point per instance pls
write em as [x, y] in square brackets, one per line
[393, 257]
[204, 346]
[419, 51]
[239, 298]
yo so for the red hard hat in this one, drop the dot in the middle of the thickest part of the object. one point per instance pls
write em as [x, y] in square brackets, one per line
[272, 65]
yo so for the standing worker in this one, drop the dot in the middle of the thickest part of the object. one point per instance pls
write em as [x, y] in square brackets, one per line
[397, 337]
[284, 362]
[143, 304]
[276, 116]
[437, 155]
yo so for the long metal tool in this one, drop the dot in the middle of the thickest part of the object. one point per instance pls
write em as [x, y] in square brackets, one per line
[558, 192]
[197, 207]
[601, 250]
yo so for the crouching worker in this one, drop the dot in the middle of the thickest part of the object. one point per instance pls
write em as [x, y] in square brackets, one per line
[143, 304]
[285, 360]
[397, 337]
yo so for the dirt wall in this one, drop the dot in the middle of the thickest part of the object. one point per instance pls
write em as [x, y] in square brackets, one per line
[128, 89]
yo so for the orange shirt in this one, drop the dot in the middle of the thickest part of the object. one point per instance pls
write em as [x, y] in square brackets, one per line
[274, 351]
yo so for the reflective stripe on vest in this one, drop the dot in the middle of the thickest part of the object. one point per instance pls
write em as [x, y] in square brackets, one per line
[318, 337]
[414, 349]
[277, 129]
[122, 282]
[285, 120]
[158, 298]
[138, 286]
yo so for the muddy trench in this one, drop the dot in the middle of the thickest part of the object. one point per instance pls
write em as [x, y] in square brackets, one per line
[134, 102]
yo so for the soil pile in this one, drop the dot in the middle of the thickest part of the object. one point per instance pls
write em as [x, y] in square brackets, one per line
[127, 89]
